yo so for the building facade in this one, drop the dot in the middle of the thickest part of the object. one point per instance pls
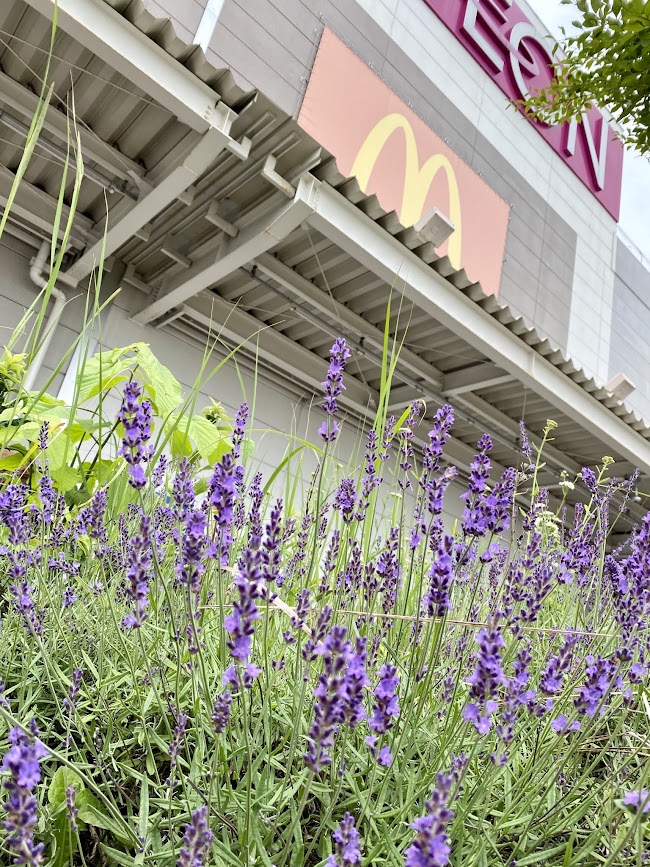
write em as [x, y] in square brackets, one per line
[268, 170]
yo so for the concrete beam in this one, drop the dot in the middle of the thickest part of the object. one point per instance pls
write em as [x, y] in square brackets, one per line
[115, 40]
[472, 378]
[57, 123]
[221, 318]
[258, 237]
[353, 324]
[39, 209]
[179, 179]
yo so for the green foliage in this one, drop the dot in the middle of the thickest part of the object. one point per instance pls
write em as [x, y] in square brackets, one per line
[77, 433]
[607, 63]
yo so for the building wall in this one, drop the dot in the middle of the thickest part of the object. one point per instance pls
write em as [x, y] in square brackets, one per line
[282, 417]
[559, 259]
[630, 348]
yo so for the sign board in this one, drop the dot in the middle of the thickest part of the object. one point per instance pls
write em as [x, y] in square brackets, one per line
[499, 35]
[377, 138]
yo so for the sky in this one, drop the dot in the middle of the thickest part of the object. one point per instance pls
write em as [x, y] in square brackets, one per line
[635, 213]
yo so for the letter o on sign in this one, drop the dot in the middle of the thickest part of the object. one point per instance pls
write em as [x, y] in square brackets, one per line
[524, 30]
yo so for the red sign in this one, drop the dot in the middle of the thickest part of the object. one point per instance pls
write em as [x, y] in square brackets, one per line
[518, 58]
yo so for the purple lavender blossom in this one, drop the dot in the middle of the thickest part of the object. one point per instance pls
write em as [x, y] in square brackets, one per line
[386, 706]
[561, 725]
[639, 800]
[49, 499]
[318, 634]
[241, 677]
[347, 844]
[388, 571]
[221, 712]
[516, 695]
[183, 490]
[194, 541]
[406, 436]
[601, 677]
[345, 500]
[333, 385]
[329, 564]
[71, 807]
[356, 681]
[23, 594]
[138, 575]
[239, 429]
[158, 473]
[222, 496]
[430, 489]
[69, 597]
[436, 601]
[240, 624]
[70, 702]
[475, 522]
[254, 515]
[331, 695]
[91, 519]
[272, 550]
[552, 678]
[296, 566]
[136, 416]
[197, 840]
[486, 679]
[371, 478]
[13, 514]
[178, 736]
[302, 608]
[22, 762]
[431, 846]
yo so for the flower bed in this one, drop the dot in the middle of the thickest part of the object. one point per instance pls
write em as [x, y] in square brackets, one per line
[194, 672]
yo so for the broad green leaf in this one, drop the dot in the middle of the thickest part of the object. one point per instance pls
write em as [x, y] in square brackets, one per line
[210, 442]
[63, 779]
[196, 434]
[94, 815]
[28, 431]
[13, 462]
[161, 385]
[105, 371]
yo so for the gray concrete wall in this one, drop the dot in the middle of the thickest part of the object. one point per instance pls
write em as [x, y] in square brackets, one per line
[630, 343]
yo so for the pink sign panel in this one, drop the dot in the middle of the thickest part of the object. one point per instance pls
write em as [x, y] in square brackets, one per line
[499, 35]
[394, 155]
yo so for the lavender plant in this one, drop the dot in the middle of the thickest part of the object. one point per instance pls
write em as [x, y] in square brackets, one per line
[219, 676]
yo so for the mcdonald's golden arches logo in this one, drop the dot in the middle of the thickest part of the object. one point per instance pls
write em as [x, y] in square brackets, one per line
[417, 178]
[394, 155]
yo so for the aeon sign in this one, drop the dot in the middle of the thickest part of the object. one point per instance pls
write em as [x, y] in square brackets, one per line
[518, 58]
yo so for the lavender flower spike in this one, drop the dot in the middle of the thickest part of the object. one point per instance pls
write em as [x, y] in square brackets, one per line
[347, 845]
[431, 846]
[333, 385]
[386, 707]
[136, 418]
[638, 800]
[196, 841]
[22, 762]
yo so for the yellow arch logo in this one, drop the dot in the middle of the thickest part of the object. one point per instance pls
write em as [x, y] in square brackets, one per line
[417, 179]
